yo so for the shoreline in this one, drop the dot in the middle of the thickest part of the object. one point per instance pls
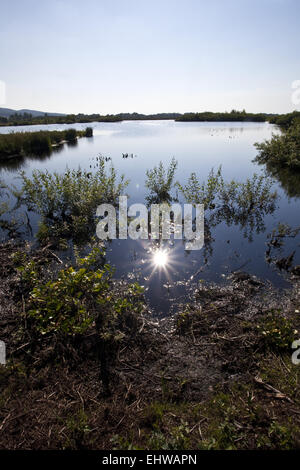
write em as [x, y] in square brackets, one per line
[196, 368]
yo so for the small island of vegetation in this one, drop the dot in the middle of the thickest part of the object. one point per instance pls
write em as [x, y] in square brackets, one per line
[19, 144]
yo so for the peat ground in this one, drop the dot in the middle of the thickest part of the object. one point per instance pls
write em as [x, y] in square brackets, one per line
[217, 375]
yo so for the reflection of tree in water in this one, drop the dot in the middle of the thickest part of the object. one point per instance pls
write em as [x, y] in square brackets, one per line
[207, 249]
[249, 221]
[243, 204]
[276, 252]
[72, 143]
[18, 163]
[13, 164]
[235, 203]
[12, 222]
[288, 179]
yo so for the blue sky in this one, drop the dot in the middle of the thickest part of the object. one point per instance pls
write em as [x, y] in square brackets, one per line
[112, 56]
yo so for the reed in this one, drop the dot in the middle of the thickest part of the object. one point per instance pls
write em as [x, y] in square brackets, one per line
[20, 144]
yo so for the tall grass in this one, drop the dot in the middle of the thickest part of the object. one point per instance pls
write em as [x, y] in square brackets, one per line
[18, 144]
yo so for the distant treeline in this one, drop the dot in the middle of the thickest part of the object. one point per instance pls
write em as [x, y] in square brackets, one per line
[27, 119]
[145, 117]
[226, 116]
[18, 144]
[19, 119]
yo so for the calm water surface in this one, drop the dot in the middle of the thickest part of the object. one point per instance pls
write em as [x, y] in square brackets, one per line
[197, 147]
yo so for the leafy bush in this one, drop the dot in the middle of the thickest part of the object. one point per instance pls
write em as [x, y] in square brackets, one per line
[285, 120]
[78, 297]
[61, 306]
[89, 132]
[238, 203]
[282, 150]
[67, 202]
[65, 305]
[202, 193]
[28, 269]
[159, 182]
[238, 196]
[254, 193]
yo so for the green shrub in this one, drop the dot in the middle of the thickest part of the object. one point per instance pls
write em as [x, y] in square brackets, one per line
[235, 196]
[79, 297]
[67, 202]
[70, 135]
[159, 182]
[89, 132]
[202, 193]
[277, 331]
[35, 143]
[65, 305]
[282, 150]
[236, 203]
[285, 120]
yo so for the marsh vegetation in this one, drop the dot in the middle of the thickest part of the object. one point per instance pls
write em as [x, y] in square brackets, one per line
[20, 144]
[82, 348]
[88, 360]
[282, 150]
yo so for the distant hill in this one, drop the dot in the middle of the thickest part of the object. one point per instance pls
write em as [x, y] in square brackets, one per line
[6, 112]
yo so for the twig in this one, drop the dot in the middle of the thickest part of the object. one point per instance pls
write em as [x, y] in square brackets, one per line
[20, 347]
[24, 312]
[278, 393]
[4, 421]
[56, 257]
[119, 422]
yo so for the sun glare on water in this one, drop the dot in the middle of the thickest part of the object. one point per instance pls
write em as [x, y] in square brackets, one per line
[160, 258]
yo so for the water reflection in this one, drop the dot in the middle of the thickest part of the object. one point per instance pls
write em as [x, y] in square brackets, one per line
[15, 164]
[289, 180]
[72, 143]
[197, 147]
[12, 165]
[160, 258]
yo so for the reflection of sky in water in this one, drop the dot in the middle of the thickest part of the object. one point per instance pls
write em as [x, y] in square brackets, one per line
[197, 147]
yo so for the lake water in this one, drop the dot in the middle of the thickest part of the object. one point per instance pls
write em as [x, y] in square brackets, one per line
[197, 147]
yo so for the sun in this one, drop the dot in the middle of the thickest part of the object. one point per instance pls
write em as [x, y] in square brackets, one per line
[160, 258]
